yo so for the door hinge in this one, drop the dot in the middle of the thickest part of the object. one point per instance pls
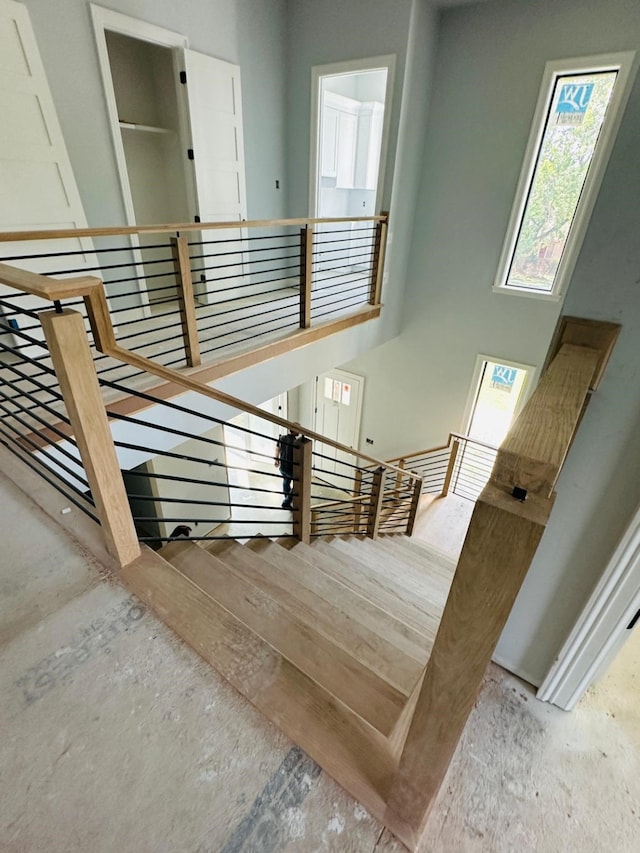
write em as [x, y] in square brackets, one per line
[183, 77]
[196, 218]
[190, 154]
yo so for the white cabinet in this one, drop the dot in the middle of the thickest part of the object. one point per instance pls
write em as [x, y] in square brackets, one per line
[347, 145]
[329, 144]
[351, 141]
[367, 160]
[339, 139]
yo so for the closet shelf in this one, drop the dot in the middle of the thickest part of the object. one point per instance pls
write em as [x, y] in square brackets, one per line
[146, 128]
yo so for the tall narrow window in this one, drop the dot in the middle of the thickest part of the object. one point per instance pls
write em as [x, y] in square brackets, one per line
[578, 112]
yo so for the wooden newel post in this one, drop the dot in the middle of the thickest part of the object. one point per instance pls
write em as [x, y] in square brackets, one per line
[377, 268]
[72, 361]
[306, 275]
[357, 506]
[375, 507]
[500, 544]
[186, 300]
[396, 491]
[415, 500]
[302, 455]
[450, 468]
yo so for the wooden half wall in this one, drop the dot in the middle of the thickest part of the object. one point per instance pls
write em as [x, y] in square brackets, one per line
[508, 522]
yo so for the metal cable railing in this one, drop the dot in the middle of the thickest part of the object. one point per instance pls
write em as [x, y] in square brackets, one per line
[34, 425]
[461, 467]
[344, 262]
[218, 291]
[352, 499]
[472, 469]
[250, 283]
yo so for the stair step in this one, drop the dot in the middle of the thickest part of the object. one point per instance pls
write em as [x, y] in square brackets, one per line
[425, 582]
[385, 591]
[362, 690]
[371, 613]
[427, 554]
[358, 626]
[436, 564]
[349, 749]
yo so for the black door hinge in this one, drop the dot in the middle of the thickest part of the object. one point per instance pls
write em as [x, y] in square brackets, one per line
[183, 77]
[190, 153]
[196, 218]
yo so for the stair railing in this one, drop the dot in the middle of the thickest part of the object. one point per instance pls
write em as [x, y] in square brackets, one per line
[88, 423]
[222, 293]
[462, 466]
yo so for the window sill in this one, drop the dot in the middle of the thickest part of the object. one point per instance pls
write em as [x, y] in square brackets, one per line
[529, 294]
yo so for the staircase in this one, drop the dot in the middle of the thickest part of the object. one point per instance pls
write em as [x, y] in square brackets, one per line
[345, 624]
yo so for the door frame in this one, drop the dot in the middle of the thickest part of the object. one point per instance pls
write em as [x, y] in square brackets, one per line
[348, 377]
[106, 19]
[476, 378]
[374, 63]
[601, 628]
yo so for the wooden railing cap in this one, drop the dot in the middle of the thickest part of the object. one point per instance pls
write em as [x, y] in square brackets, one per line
[46, 287]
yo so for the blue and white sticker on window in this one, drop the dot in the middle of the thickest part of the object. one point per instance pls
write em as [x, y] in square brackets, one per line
[573, 102]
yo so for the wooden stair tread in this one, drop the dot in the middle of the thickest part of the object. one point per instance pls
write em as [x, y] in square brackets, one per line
[409, 640]
[425, 582]
[424, 552]
[345, 746]
[353, 572]
[362, 690]
[357, 626]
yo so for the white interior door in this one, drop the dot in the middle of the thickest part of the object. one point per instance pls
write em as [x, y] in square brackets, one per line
[215, 117]
[337, 413]
[38, 186]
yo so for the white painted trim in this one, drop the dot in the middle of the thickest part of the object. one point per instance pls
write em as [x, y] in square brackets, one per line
[346, 377]
[527, 388]
[106, 19]
[600, 629]
[375, 63]
[626, 66]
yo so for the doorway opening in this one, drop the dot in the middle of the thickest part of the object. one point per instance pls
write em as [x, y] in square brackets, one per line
[603, 649]
[337, 411]
[350, 124]
[498, 391]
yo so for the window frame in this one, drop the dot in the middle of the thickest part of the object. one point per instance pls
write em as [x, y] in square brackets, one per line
[625, 65]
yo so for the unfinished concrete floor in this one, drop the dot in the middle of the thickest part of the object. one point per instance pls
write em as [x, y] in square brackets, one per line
[118, 737]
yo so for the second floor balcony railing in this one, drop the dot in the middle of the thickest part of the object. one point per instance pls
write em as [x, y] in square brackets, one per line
[227, 294]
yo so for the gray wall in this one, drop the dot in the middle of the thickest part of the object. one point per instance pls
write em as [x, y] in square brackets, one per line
[463, 172]
[489, 64]
[599, 488]
[276, 43]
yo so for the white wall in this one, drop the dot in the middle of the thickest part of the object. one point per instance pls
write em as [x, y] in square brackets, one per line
[198, 517]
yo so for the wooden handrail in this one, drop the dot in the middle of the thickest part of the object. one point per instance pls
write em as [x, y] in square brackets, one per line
[116, 231]
[446, 446]
[532, 454]
[171, 375]
[45, 287]
[340, 501]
